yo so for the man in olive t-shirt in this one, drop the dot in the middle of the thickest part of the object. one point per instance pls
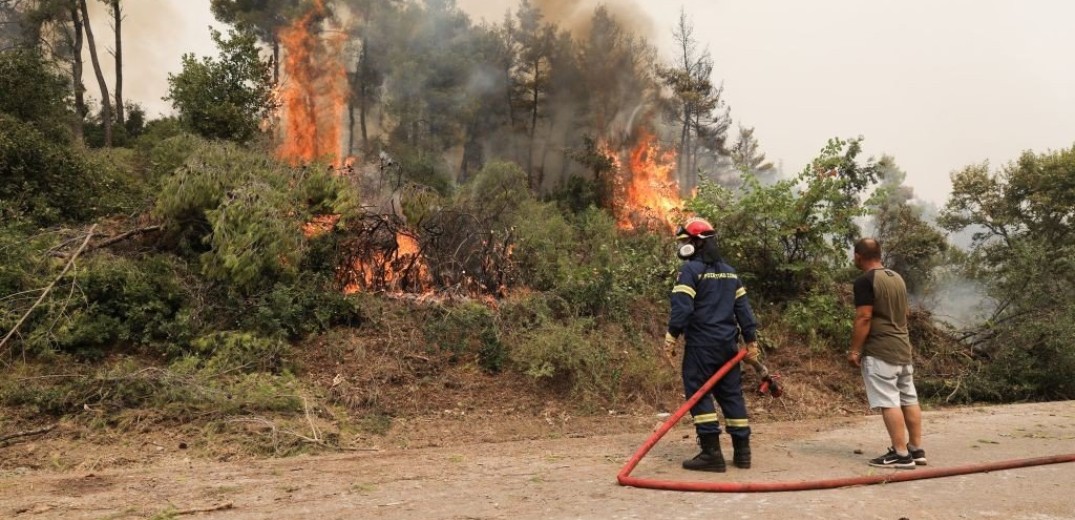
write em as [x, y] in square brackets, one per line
[881, 348]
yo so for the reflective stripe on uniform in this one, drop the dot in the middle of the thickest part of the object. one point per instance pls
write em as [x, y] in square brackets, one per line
[741, 292]
[719, 276]
[706, 418]
[737, 423]
[685, 289]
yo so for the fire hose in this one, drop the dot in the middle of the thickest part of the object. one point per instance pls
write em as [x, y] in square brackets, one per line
[625, 479]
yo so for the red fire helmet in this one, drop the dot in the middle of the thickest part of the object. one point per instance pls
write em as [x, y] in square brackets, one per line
[695, 228]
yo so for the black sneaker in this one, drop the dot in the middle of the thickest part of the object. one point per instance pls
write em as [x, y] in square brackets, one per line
[919, 456]
[893, 460]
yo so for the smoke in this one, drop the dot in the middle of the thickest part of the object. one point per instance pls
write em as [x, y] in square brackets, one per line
[571, 15]
[576, 16]
[155, 36]
[958, 301]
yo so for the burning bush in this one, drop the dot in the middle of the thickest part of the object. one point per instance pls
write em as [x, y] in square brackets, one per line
[242, 213]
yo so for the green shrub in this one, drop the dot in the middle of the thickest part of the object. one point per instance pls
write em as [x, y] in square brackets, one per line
[123, 302]
[1029, 360]
[307, 305]
[543, 245]
[241, 213]
[163, 150]
[586, 260]
[231, 352]
[122, 190]
[254, 239]
[823, 320]
[497, 193]
[42, 181]
[467, 329]
[567, 354]
[34, 92]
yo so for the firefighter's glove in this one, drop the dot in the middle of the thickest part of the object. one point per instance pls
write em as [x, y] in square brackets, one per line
[753, 352]
[669, 345]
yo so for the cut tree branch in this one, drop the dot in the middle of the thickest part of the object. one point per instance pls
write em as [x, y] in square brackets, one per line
[48, 289]
[28, 433]
[196, 511]
[118, 238]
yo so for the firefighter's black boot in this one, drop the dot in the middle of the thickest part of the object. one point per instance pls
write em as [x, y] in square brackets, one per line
[710, 459]
[741, 456]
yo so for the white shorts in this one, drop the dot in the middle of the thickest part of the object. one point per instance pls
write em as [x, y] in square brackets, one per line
[888, 385]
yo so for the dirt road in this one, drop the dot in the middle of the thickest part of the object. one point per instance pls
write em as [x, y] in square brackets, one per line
[570, 477]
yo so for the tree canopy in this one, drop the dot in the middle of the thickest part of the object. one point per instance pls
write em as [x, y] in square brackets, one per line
[227, 97]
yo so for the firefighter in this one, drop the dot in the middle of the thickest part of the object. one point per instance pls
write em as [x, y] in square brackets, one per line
[709, 306]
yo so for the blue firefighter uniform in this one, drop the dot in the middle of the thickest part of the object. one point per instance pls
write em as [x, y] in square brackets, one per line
[709, 305]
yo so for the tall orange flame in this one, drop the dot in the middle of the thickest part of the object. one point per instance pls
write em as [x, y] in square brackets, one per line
[314, 89]
[649, 192]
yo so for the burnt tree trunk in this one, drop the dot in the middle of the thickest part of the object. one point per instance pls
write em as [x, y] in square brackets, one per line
[275, 60]
[363, 93]
[106, 102]
[351, 115]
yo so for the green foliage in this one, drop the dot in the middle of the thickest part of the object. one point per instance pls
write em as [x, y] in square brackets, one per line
[242, 212]
[124, 135]
[910, 245]
[253, 239]
[543, 245]
[121, 302]
[467, 329]
[179, 392]
[587, 261]
[230, 351]
[121, 190]
[496, 193]
[567, 354]
[164, 149]
[420, 167]
[790, 237]
[23, 264]
[1033, 361]
[42, 181]
[19, 254]
[33, 92]
[309, 304]
[224, 98]
[823, 320]
[1023, 249]
[578, 193]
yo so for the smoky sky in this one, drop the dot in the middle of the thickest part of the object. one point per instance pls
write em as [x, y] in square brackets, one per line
[937, 85]
[156, 34]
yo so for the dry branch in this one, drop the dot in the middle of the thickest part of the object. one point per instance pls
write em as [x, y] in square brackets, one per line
[48, 289]
[195, 511]
[117, 238]
[28, 433]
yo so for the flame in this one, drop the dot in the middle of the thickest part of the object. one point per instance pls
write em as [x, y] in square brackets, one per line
[401, 270]
[648, 191]
[319, 225]
[314, 91]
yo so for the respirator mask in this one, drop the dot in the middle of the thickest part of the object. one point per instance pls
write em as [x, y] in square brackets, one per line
[686, 250]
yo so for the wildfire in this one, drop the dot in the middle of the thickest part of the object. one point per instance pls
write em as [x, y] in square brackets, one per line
[401, 269]
[314, 89]
[319, 225]
[648, 191]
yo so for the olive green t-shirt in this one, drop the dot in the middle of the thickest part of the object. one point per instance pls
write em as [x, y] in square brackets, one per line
[885, 290]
